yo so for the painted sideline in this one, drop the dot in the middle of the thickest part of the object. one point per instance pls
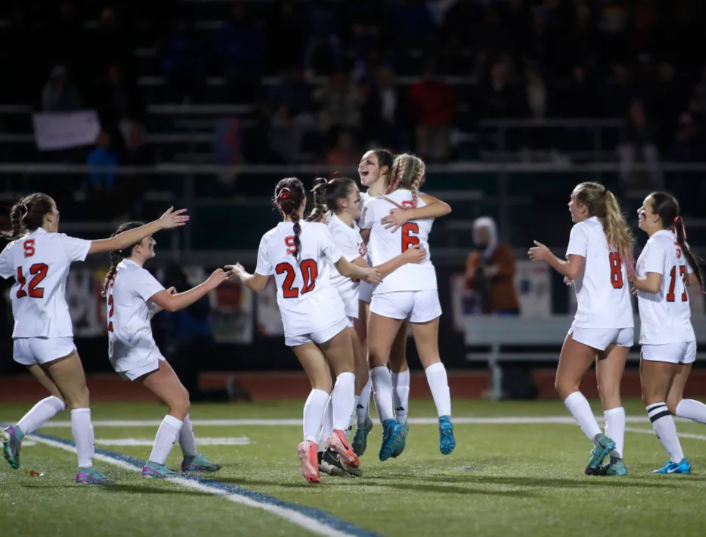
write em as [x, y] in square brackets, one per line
[309, 518]
[266, 422]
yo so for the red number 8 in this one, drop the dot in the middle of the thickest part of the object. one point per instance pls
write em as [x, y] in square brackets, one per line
[616, 273]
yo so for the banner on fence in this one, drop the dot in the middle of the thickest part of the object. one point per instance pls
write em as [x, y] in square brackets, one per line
[60, 130]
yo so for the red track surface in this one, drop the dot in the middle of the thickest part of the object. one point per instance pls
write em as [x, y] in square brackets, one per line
[275, 386]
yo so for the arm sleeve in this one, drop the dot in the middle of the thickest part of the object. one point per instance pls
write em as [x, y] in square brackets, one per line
[145, 285]
[654, 257]
[347, 244]
[578, 241]
[76, 249]
[5, 266]
[264, 267]
[328, 249]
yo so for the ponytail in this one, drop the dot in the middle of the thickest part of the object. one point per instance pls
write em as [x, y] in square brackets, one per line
[407, 172]
[289, 196]
[27, 215]
[319, 192]
[116, 256]
[693, 260]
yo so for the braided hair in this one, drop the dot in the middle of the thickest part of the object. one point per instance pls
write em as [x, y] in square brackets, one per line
[289, 196]
[27, 215]
[326, 195]
[116, 256]
[408, 173]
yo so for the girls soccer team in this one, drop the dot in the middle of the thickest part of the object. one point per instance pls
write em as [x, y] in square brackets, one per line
[347, 322]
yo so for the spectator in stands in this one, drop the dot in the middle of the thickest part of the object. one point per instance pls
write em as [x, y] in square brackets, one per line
[323, 28]
[240, 46]
[102, 156]
[189, 339]
[490, 270]
[433, 103]
[344, 153]
[499, 98]
[118, 99]
[537, 97]
[294, 92]
[639, 138]
[340, 102]
[182, 62]
[285, 135]
[59, 93]
[385, 112]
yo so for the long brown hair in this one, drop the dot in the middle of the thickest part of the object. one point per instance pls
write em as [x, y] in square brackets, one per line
[407, 172]
[116, 256]
[603, 204]
[27, 215]
[667, 207]
[289, 196]
[326, 195]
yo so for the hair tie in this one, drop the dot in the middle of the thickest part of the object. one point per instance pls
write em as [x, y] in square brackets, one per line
[321, 181]
[26, 211]
[283, 194]
[679, 221]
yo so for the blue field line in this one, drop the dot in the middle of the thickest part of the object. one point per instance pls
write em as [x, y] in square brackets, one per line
[316, 514]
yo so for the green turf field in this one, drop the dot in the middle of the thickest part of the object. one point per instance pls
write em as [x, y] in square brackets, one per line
[504, 479]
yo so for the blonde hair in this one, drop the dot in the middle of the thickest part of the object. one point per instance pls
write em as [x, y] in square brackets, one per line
[407, 172]
[603, 204]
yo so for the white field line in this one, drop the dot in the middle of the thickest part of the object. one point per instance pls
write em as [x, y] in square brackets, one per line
[267, 422]
[680, 435]
[292, 516]
[236, 441]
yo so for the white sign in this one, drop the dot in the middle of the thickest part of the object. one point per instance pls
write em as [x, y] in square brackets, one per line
[534, 289]
[65, 130]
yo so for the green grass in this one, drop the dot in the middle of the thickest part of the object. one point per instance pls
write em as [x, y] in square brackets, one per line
[502, 480]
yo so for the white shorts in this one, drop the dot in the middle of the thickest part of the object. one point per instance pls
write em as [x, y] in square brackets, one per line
[319, 337]
[417, 306]
[42, 350]
[674, 353]
[602, 338]
[365, 291]
[136, 372]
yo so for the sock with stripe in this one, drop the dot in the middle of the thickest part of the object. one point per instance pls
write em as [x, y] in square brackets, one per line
[666, 431]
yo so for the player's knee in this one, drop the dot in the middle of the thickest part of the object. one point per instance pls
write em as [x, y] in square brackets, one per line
[672, 404]
[565, 387]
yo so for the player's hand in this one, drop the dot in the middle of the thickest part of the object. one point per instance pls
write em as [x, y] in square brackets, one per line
[371, 275]
[234, 271]
[218, 277]
[539, 252]
[396, 219]
[172, 291]
[568, 281]
[173, 218]
[634, 291]
[415, 254]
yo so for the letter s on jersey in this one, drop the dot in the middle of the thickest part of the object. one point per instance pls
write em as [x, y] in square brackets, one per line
[29, 248]
[289, 241]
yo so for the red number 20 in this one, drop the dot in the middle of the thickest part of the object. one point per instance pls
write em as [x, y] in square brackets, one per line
[310, 271]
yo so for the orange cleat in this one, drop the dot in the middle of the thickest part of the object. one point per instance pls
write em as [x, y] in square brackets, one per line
[337, 441]
[308, 453]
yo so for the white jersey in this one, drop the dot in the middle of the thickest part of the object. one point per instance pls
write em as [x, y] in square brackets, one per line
[385, 246]
[306, 299]
[352, 247]
[130, 341]
[40, 263]
[665, 317]
[602, 289]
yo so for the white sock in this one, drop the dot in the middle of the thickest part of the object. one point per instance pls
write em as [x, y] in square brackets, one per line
[663, 424]
[314, 414]
[382, 382]
[581, 411]
[362, 409]
[692, 410]
[439, 385]
[343, 401]
[615, 430]
[187, 439]
[400, 395]
[82, 429]
[167, 434]
[326, 425]
[351, 423]
[42, 412]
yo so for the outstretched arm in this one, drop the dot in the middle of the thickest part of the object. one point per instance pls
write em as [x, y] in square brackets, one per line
[175, 302]
[255, 282]
[434, 208]
[569, 269]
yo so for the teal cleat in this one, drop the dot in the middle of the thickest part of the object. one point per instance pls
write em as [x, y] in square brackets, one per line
[615, 469]
[400, 442]
[447, 442]
[199, 463]
[360, 440]
[390, 431]
[11, 445]
[601, 450]
[154, 470]
[91, 476]
[681, 467]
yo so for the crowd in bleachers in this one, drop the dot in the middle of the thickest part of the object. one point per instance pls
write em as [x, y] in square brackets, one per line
[326, 78]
